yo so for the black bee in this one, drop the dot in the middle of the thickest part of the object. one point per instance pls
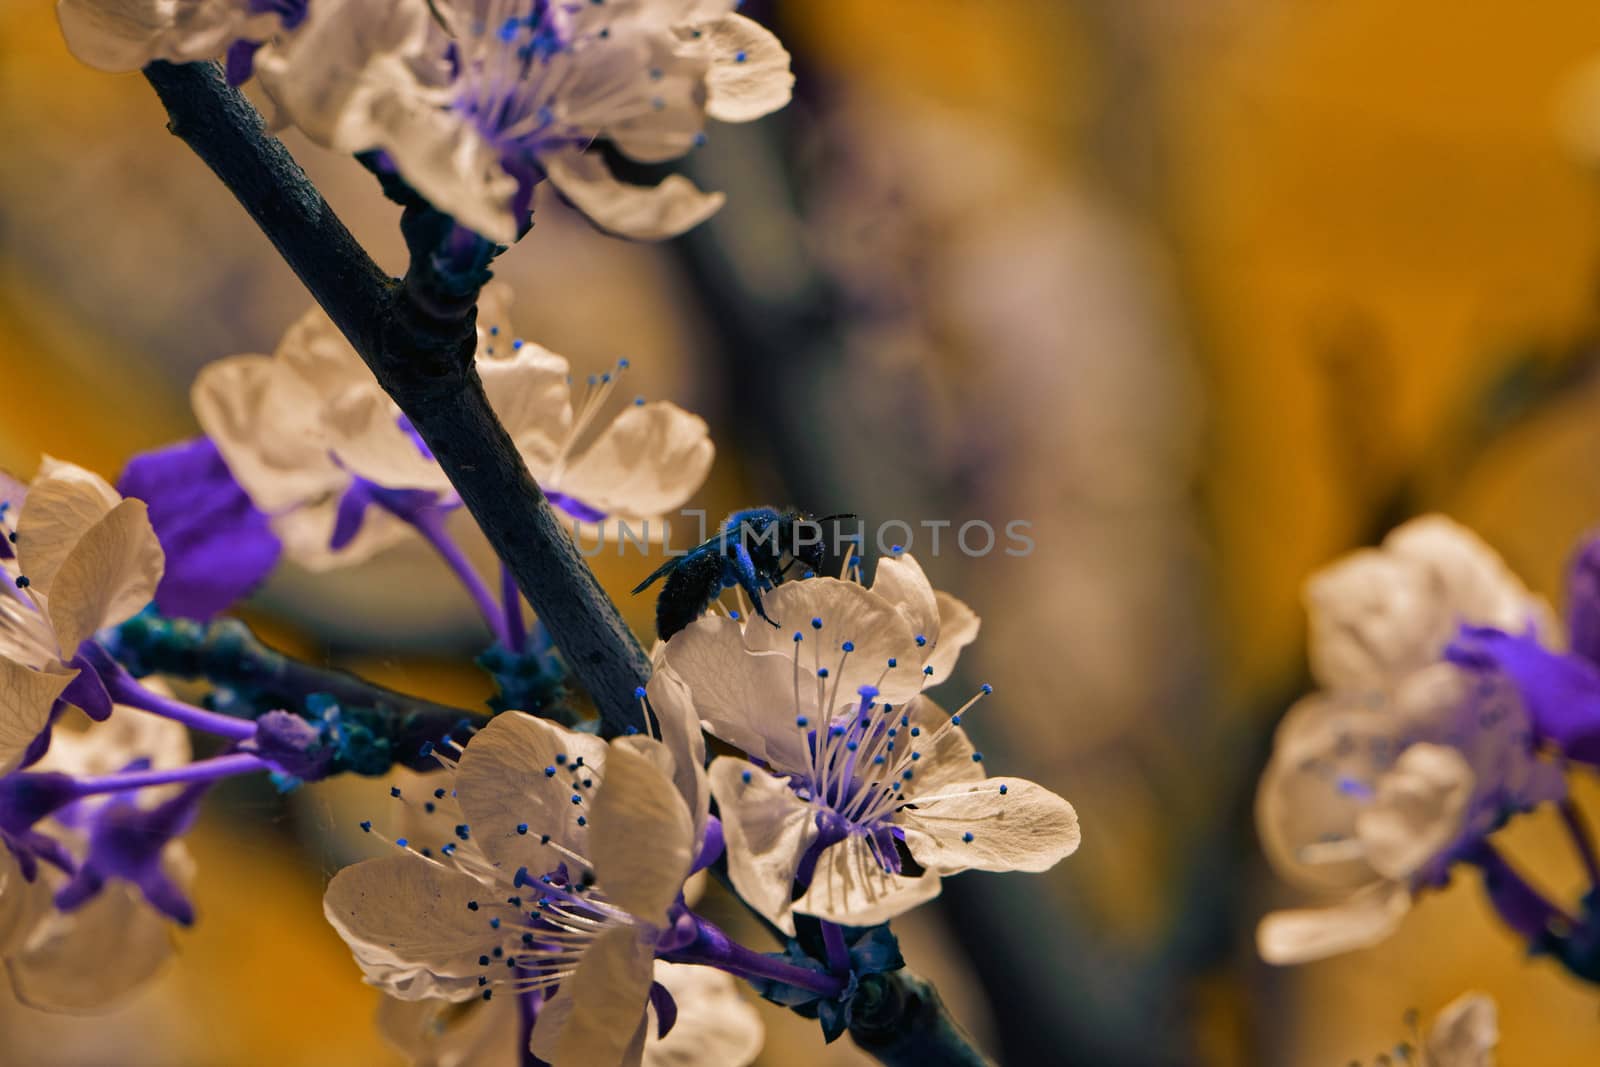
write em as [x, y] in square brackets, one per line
[754, 550]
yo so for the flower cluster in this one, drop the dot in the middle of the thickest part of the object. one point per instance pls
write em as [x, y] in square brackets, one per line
[472, 104]
[1448, 708]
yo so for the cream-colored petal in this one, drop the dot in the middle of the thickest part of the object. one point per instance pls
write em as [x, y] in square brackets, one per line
[901, 581]
[501, 784]
[64, 501]
[1026, 828]
[408, 911]
[364, 433]
[89, 959]
[673, 705]
[267, 423]
[1465, 1033]
[598, 1018]
[649, 461]
[749, 75]
[1475, 583]
[123, 35]
[946, 751]
[436, 1033]
[746, 700]
[1417, 810]
[958, 628]
[528, 388]
[852, 888]
[22, 904]
[1360, 921]
[642, 213]
[26, 697]
[642, 840]
[715, 1024]
[767, 829]
[307, 534]
[111, 573]
[849, 613]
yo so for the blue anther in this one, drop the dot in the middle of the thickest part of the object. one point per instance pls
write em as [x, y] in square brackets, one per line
[967, 837]
[522, 828]
[849, 646]
[394, 790]
[816, 623]
[987, 688]
[366, 826]
[745, 777]
[1002, 790]
[638, 692]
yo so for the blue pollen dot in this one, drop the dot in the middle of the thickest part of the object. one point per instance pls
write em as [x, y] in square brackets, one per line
[494, 331]
[582, 821]
[734, 615]
[977, 757]
[549, 772]
[916, 731]
[1002, 790]
[745, 777]
[576, 799]
[849, 646]
[631, 730]
[638, 691]
[22, 581]
[527, 939]
[394, 790]
[877, 759]
[463, 832]
[494, 923]
[483, 961]
[798, 636]
[401, 842]
[472, 905]
[928, 671]
[914, 757]
[561, 758]
[907, 774]
[987, 688]
[522, 828]
[816, 623]
[800, 720]
[638, 401]
[483, 981]
[623, 364]
[438, 794]
[588, 783]
[430, 807]
[366, 826]
[488, 994]
[967, 837]
[426, 749]
[740, 57]
[921, 640]
[852, 745]
[449, 850]
[516, 344]
[822, 672]
[955, 720]
[544, 839]
[577, 762]
[499, 952]
[896, 548]
[893, 663]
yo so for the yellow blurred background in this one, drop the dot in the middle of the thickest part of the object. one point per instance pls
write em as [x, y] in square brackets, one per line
[1208, 292]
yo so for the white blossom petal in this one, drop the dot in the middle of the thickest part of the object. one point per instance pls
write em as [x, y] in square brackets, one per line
[1465, 1033]
[529, 390]
[749, 74]
[365, 433]
[643, 837]
[733, 692]
[715, 1024]
[26, 697]
[63, 501]
[849, 613]
[123, 35]
[587, 1024]
[1362, 920]
[501, 784]
[673, 705]
[1026, 828]
[1417, 810]
[437, 1033]
[767, 829]
[649, 461]
[958, 628]
[22, 904]
[406, 912]
[643, 213]
[110, 574]
[852, 888]
[901, 581]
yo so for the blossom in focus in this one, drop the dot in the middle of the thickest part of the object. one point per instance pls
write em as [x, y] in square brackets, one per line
[119, 35]
[315, 441]
[1404, 763]
[477, 101]
[67, 949]
[714, 1026]
[78, 558]
[561, 879]
[851, 769]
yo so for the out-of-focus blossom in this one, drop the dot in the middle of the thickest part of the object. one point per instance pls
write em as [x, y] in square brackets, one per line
[852, 763]
[84, 558]
[315, 441]
[120, 35]
[562, 879]
[73, 946]
[1463, 1034]
[475, 102]
[1405, 763]
[714, 1026]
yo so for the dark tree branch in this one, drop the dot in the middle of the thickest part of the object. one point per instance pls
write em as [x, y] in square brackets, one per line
[421, 351]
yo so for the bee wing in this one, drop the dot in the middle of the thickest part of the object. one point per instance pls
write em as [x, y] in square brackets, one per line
[672, 564]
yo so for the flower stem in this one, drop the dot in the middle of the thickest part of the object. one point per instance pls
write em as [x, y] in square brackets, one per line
[1519, 904]
[714, 948]
[125, 689]
[205, 771]
[1578, 829]
[429, 522]
[511, 601]
[838, 952]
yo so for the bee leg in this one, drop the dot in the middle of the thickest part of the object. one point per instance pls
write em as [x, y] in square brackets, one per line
[749, 580]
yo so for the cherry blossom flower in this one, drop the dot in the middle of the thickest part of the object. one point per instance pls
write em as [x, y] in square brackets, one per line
[475, 102]
[1406, 763]
[84, 559]
[853, 768]
[1463, 1034]
[72, 947]
[119, 35]
[562, 880]
[316, 443]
